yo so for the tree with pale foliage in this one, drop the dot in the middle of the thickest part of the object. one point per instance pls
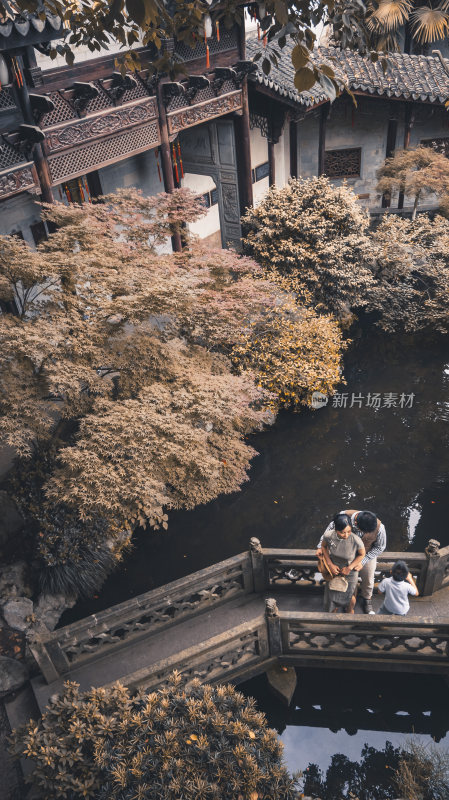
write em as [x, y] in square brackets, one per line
[317, 235]
[127, 383]
[293, 353]
[201, 742]
[421, 173]
[411, 287]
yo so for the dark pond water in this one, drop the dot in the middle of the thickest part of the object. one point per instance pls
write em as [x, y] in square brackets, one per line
[335, 712]
[393, 460]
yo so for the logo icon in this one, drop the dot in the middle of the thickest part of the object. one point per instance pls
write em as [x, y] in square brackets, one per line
[319, 400]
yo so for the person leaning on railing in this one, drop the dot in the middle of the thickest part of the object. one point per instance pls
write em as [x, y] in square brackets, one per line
[343, 552]
[374, 537]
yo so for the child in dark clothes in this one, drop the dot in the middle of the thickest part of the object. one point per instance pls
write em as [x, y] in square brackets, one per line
[397, 589]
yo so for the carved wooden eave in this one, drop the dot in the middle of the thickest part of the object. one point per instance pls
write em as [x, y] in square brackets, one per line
[202, 112]
[18, 178]
[80, 145]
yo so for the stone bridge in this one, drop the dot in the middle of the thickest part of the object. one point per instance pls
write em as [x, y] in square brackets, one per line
[243, 616]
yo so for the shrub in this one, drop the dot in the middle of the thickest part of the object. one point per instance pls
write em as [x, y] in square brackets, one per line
[207, 743]
[411, 287]
[317, 233]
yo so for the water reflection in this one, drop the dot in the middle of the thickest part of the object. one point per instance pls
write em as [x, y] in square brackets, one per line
[335, 711]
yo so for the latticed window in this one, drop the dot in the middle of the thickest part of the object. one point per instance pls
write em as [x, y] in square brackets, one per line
[343, 163]
[441, 145]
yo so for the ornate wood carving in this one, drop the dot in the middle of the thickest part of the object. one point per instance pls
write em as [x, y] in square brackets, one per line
[101, 124]
[107, 150]
[343, 163]
[18, 180]
[179, 120]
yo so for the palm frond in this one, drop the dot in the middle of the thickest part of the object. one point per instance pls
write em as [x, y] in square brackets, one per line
[429, 24]
[388, 15]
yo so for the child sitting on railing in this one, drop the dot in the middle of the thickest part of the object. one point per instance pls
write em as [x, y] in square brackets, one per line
[397, 589]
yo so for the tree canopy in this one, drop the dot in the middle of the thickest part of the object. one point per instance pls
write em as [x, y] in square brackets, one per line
[315, 233]
[314, 239]
[150, 22]
[420, 172]
[131, 377]
[424, 22]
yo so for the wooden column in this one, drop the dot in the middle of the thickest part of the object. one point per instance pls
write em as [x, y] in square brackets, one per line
[390, 148]
[40, 158]
[409, 118]
[243, 150]
[293, 149]
[243, 140]
[271, 163]
[166, 162]
[322, 138]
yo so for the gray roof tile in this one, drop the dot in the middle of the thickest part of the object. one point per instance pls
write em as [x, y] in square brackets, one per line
[407, 77]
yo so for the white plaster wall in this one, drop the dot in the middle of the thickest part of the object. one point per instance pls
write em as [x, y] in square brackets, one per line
[366, 126]
[18, 213]
[82, 53]
[282, 157]
[259, 154]
[210, 223]
[259, 147]
[308, 146]
[139, 171]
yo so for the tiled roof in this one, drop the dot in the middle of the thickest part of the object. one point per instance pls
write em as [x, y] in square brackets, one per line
[407, 77]
[15, 21]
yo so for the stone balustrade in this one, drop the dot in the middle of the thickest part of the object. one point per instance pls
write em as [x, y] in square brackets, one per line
[255, 572]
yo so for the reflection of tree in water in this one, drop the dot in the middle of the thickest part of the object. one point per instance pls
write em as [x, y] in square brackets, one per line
[391, 703]
[370, 779]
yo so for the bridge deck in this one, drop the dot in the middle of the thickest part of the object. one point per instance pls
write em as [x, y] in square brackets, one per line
[191, 633]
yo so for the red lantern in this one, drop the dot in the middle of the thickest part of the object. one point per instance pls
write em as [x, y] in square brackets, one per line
[180, 159]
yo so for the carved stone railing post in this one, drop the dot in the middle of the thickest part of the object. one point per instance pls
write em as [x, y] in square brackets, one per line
[44, 661]
[432, 575]
[273, 627]
[257, 562]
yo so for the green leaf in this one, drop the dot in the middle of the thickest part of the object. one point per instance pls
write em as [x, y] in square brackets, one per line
[329, 87]
[136, 11]
[281, 12]
[327, 70]
[266, 66]
[300, 56]
[304, 79]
